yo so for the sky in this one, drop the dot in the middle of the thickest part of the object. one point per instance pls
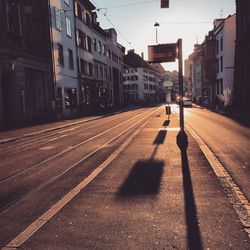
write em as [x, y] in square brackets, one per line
[134, 22]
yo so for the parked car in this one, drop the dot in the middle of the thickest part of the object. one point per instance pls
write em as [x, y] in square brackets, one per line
[187, 102]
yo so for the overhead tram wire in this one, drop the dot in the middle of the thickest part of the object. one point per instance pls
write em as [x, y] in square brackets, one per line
[105, 15]
[131, 4]
[163, 22]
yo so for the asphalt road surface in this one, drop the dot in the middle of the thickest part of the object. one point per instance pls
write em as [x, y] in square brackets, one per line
[41, 173]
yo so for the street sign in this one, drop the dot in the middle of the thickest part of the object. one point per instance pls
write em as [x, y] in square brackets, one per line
[162, 53]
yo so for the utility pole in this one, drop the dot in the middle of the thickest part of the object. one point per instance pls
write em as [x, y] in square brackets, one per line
[182, 140]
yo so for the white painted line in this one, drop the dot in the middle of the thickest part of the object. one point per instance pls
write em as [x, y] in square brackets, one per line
[214, 162]
[169, 129]
[44, 218]
[221, 172]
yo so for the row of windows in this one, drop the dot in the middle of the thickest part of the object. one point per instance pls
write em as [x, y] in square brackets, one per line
[131, 87]
[82, 14]
[130, 78]
[149, 87]
[99, 71]
[61, 56]
[89, 44]
[58, 22]
[135, 86]
[126, 71]
[135, 78]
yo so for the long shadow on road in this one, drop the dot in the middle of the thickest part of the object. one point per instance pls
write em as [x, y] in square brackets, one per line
[145, 176]
[193, 231]
[144, 179]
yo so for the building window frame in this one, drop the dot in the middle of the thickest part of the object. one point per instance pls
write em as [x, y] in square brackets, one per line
[58, 22]
[66, 2]
[71, 59]
[60, 54]
[68, 27]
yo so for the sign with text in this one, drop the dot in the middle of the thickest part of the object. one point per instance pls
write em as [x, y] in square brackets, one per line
[162, 53]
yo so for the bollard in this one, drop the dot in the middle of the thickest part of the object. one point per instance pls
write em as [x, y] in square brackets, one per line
[168, 110]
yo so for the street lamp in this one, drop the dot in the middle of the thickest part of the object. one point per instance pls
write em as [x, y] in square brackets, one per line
[156, 25]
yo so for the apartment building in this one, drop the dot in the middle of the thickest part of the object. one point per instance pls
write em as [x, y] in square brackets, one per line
[241, 101]
[115, 53]
[225, 35]
[139, 80]
[64, 57]
[26, 85]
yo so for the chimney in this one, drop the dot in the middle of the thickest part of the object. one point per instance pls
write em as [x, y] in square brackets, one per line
[142, 55]
[131, 51]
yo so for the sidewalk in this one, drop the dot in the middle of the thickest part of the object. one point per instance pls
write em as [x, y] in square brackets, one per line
[150, 197]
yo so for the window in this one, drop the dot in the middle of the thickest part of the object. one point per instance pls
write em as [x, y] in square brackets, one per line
[58, 19]
[82, 66]
[68, 27]
[134, 86]
[221, 63]
[78, 11]
[101, 72]
[221, 43]
[94, 43]
[60, 54]
[88, 20]
[109, 54]
[96, 71]
[134, 78]
[70, 98]
[126, 71]
[99, 47]
[66, 2]
[88, 45]
[80, 39]
[90, 69]
[103, 49]
[71, 62]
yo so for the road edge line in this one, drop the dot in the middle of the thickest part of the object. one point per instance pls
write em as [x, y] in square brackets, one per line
[223, 175]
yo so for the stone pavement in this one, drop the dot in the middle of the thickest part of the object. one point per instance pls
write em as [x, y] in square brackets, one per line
[151, 196]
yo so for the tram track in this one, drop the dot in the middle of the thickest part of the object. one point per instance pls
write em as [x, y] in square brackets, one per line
[43, 138]
[140, 118]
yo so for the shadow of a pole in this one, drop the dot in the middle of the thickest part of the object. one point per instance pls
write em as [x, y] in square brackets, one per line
[193, 231]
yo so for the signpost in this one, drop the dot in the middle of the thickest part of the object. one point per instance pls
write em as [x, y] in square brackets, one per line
[168, 53]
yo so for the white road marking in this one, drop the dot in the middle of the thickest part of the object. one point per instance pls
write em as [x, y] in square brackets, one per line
[46, 148]
[221, 172]
[44, 218]
[169, 129]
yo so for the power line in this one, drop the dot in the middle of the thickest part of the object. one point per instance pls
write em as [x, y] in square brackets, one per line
[164, 22]
[105, 15]
[130, 4]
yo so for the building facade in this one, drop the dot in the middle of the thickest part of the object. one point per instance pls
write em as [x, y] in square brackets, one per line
[115, 53]
[139, 80]
[241, 102]
[225, 34]
[26, 85]
[64, 57]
